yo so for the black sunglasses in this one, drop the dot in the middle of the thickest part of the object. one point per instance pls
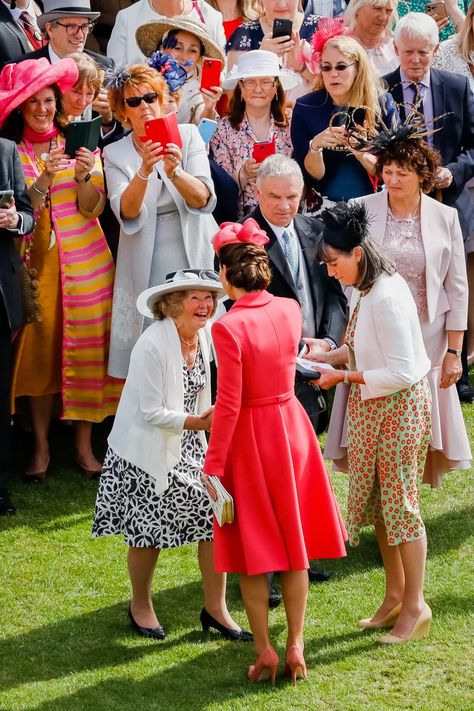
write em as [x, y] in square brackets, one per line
[134, 101]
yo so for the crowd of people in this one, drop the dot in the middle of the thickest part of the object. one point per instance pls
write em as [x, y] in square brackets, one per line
[320, 156]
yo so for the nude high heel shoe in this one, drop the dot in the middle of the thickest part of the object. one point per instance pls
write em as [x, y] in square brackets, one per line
[387, 621]
[265, 666]
[295, 664]
[421, 629]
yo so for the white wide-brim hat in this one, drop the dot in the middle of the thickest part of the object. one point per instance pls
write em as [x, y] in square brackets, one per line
[55, 9]
[260, 63]
[182, 280]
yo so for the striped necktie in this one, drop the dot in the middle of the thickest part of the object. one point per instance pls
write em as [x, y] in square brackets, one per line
[31, 31]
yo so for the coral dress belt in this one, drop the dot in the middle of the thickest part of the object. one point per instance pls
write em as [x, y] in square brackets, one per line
[270, 400]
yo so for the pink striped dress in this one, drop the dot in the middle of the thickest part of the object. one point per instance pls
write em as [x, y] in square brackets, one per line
[67, 351]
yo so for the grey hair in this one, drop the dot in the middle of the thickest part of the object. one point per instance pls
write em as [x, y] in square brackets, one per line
[355, 5]
[417, 25]
[276, 165]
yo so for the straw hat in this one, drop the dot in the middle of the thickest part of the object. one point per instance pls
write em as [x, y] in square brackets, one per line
[19, 82]
[150, 35]
[260, 63]
[182, 280]
[55, 9]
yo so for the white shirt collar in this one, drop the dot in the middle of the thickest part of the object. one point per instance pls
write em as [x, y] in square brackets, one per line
[53, 57]
[278, 231]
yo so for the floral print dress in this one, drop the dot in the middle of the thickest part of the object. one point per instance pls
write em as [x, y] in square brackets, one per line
[387, 445]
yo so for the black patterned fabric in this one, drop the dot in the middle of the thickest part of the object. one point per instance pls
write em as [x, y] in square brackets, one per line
[127, 502]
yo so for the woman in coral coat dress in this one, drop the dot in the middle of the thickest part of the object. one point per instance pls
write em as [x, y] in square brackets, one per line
[263, 446]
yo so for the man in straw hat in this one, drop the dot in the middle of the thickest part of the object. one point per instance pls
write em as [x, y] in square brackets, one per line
[123, 47]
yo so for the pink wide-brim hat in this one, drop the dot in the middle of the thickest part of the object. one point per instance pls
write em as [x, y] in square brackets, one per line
[19, 82]
[248, 232]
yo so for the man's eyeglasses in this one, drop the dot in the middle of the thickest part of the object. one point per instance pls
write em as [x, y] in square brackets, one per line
[251, 84]
[134, 101]
[337, 67]
[73, 29]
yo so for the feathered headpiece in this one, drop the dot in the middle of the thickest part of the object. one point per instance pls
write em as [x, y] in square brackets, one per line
[331, 27]
[234, 233]
[345, 225]
[116, 77]
[172, 72]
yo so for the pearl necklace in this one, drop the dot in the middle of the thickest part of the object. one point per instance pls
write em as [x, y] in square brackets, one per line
[193, 344]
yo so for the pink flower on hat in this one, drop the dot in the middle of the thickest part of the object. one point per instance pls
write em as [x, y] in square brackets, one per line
[235, 233]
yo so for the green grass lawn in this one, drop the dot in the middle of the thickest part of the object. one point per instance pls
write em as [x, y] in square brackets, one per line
[66, 644]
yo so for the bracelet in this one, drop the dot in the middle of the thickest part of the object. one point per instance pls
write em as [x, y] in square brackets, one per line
[38, 190]
[314, 151]
[140, 175]
[346, 380]
[85, 179]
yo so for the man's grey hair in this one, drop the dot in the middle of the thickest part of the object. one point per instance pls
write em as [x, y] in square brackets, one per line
[277, 165]
[416, 25]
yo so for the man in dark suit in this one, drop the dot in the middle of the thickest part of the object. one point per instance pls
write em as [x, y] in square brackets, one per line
[19, 31]
[15, 220]
[449, 96]
[296, 274]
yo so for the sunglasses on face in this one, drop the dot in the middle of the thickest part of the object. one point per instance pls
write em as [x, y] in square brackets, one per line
[134, 101]
[337, 67]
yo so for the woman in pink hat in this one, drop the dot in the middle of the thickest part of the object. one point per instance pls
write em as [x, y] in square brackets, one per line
[263, 446]
[65, 351]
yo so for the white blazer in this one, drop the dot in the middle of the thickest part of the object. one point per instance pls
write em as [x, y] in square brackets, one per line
[137, 236]
[446, 280]
[388, 344]
[150, 417]
[122, 46]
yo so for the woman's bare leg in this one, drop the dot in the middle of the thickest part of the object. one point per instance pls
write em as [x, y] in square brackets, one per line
[294, 589]
[41, 412]
[84, 454]
[394, 574]
[141, 567]
[214, 586]
[255, 594]
[413, 556]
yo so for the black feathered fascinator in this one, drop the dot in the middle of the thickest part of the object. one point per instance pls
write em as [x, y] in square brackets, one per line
[345, 225]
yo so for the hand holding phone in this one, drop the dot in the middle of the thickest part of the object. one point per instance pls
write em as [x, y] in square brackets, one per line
[207, 128]
[282, 28]
[262, 150]
[437, 10]
[6, 199]
[210, 73]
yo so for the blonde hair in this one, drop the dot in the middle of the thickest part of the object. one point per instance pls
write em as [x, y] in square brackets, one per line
[89, 72]
[247, 9]
[367, 87]
[465, 39]
[140, 74]
[355, 5]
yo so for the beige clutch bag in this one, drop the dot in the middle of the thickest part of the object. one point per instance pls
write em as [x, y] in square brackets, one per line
[223, 507]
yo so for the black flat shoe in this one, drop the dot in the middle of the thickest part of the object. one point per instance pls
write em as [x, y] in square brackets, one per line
[274, 597]
[7, 508]
[318, 576]
[465, 392]
[150, 632]
[235, 635]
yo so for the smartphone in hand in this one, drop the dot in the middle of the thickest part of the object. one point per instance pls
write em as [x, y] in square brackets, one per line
[6, 198]
[262, 150]
[437, 10]
[207, 128]
[210, 73]
[282, 28]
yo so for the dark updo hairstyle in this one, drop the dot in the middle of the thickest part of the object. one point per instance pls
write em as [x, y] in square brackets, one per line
[247, 266]
[412, 154]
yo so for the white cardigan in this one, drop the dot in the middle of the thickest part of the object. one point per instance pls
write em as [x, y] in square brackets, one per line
[388, 344]
[149, 422]
[122, 46]
[137, 236]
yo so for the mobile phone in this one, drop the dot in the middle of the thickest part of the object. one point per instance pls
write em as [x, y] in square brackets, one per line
[163, 129]
[355, 116]
[206, 128]
[6, 197]
[282, 28]
[262, 150]
[210, 73]
[437, 10]
[82, 134]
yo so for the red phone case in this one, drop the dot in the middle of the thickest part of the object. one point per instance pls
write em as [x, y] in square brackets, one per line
[163, 130]
[262, 150]
[210, 73]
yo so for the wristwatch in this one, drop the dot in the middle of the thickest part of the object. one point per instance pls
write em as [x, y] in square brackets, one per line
[312, 150]
[85, 179]
[178, 171]
[455, 352]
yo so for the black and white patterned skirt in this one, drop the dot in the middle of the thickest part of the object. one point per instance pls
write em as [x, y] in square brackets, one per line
[127, 501]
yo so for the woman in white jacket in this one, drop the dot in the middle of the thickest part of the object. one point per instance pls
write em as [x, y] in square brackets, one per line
[150, 487]
[162, 197]
[388, 415]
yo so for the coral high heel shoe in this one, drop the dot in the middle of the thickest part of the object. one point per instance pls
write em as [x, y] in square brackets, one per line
[421, 629]
[387, 621]
[295, 664]
[265, 666]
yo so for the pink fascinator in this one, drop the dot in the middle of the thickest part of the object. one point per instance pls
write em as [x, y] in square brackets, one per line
[235, 233]
[328, 27]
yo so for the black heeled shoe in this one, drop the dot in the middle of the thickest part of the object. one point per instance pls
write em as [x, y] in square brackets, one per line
[208, 620]
[150, 632]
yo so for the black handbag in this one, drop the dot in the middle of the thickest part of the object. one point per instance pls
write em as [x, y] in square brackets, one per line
[314, 400]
